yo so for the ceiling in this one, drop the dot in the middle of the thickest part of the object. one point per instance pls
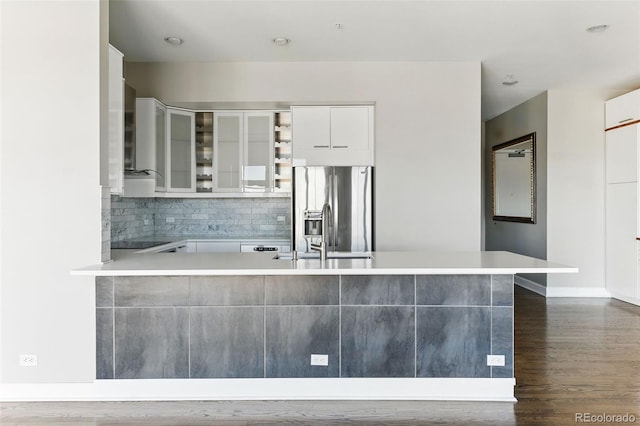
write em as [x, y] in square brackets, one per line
[543, 44]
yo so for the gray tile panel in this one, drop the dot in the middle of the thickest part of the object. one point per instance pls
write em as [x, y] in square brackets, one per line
[227, 291]
[104, 343]
[151, 291]
[378, 341]
[502, 340]
[104, 292]
[453, 290]
[377, 289]
[453, 341]
[502, 290]
[151, 343]
[293, 334]
[302, 290]
[227, 342]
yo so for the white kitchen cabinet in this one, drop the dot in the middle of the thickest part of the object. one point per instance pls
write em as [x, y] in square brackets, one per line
[623, 110]
[217, 247]
[243, 151]
[621, 244]
[622, 226]
[622, 154]
[227, 148]
[181, 160]
[151, 140]
[333, 135]
[116, 121]
[257, 166]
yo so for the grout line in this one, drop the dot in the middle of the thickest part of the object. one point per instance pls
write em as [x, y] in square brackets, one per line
[113, 325]
[264, 327]
[340, 326]
[415, 326]
[189, 329]
[491, 322]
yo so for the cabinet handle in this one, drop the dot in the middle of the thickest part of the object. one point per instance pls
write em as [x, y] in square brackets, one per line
[626, 119]
[321, 146]
[341, 146]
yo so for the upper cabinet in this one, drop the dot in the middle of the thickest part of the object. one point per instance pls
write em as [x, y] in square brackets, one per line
[209, 152]
[243, 149]
[622, 118]
[181, 164]
[227, 146]
[116, 121]
[333, 135]
[623, 110]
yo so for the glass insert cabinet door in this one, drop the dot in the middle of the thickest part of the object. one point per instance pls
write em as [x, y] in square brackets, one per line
[227, 149]
[181, 161]
[258, 152]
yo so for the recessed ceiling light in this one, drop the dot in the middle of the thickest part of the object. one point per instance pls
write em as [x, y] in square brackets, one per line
[597, 28]
[281, 41]
[176, 41]
[510, 81]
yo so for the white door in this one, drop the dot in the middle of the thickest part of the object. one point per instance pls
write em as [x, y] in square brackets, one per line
[350, 128]
[311, 128]
[621, 244]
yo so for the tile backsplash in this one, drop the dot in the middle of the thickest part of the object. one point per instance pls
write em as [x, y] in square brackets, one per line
[200, 217]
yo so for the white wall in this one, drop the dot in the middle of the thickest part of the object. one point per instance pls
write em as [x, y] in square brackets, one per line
[576, 186]
[427, 131]
[49, 187]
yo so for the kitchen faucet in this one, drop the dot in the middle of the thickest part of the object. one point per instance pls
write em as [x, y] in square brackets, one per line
[322, 247]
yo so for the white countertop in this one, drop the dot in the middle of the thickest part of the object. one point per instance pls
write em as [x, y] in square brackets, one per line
[127, 263]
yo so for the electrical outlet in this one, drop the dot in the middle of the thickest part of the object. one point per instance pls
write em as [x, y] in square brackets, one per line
[495, 360]
[170, 219]
[28, 360]
[322, 360]
[281, 218]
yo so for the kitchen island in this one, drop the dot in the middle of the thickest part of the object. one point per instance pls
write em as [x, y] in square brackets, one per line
[397, 325]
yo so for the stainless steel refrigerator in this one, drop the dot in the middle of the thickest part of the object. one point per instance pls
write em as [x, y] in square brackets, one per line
[349, 193]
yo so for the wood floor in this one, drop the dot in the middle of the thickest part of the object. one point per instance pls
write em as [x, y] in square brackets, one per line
[572, 356]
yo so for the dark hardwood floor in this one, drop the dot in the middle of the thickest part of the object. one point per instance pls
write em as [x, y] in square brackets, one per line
[573, 357]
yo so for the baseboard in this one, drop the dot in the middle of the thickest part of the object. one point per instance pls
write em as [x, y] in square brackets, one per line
[441, 389]
[530, 285]
[597, 292]
[550, 292]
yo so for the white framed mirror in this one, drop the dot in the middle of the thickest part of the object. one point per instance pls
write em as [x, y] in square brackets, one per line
[514, 180]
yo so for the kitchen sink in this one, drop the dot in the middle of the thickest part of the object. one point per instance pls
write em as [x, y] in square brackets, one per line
[330, 255]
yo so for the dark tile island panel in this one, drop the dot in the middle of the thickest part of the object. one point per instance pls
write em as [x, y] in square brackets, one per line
[269, 326]
[227, 342]
[378, 341]
[293, 333]
[378, 290]
[453, 341]
[302, 290]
